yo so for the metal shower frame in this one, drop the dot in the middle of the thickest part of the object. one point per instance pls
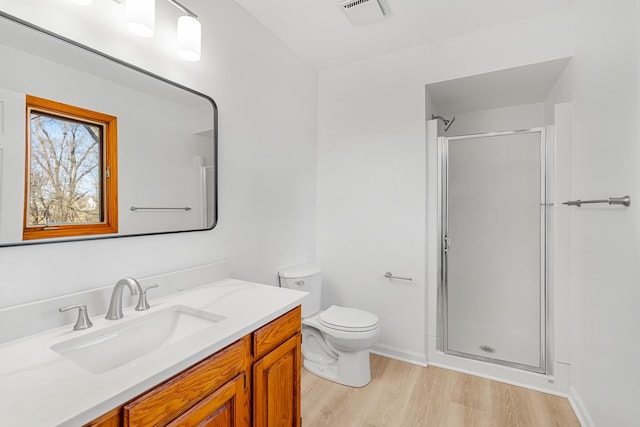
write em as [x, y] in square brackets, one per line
[544, 367]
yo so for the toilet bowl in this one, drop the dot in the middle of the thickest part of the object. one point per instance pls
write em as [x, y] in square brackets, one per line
[339, 353]
[335, 341]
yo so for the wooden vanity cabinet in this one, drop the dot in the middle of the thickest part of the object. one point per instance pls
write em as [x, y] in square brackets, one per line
[219, 391]
[276, 372]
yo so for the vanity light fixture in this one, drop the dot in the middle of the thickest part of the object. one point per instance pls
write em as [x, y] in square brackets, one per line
[141, 16]
[140, 21]
[189, 34]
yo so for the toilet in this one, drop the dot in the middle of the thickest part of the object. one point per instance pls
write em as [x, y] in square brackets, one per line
[336, 341]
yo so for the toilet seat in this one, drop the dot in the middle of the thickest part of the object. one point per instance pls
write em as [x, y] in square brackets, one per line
[348, 319]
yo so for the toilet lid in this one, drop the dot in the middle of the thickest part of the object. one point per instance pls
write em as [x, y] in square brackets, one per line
[348, 319]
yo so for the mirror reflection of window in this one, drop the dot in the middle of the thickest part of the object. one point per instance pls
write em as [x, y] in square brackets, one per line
[65, 177]
[70, 175]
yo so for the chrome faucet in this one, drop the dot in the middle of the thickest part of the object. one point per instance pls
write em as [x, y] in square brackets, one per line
[115, 306]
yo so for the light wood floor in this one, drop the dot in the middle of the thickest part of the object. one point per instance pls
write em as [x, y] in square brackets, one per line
[404, 395]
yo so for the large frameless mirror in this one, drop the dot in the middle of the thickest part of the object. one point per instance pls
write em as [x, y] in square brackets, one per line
[161, 178]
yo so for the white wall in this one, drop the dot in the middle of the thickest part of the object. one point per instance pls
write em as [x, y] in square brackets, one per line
[605, 241]
[372, 200]
[267, 100]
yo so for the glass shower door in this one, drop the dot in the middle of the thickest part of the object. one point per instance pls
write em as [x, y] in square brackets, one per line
[493, 247]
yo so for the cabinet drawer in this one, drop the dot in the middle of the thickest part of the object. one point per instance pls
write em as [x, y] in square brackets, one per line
[177, 395]
[275, 333]
[224, 407]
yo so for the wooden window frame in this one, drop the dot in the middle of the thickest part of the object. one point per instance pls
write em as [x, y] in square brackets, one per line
[109, 181]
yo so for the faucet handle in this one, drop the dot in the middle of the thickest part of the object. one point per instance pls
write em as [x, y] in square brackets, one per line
[83, 321]
[143, 304]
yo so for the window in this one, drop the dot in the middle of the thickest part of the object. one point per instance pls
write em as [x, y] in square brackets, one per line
[71, 172]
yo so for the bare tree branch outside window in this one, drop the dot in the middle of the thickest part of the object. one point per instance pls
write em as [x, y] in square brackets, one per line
[65, 171]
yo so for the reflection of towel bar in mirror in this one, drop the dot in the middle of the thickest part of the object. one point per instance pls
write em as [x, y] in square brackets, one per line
[624, 201]
[389, 275]
[138, 208]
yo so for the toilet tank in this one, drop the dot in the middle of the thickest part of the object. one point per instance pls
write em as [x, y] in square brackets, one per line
[306, 277]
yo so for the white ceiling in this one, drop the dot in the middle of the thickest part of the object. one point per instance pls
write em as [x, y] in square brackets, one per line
[319, 32]
[515, 86]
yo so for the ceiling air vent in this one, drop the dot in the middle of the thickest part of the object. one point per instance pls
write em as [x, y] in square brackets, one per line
[361, 12]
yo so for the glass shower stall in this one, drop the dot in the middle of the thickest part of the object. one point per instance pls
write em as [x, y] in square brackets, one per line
[493, 247]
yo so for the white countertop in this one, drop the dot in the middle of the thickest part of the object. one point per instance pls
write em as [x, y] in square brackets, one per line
[38, 387]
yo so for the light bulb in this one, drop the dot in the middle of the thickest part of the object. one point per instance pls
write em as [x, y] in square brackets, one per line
[141, 16]
[189, 34]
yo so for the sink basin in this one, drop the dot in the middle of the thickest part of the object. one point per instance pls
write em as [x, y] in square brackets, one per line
[116, 345]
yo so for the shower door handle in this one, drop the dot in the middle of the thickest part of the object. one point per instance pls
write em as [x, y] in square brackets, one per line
[446, 244]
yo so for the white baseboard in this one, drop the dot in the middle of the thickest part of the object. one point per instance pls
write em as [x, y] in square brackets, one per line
[578, 407]
[518, 382]
[557, 383]
[402, 355]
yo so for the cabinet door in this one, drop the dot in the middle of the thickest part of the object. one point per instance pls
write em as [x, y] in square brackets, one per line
[225, 407]
[276, 387]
